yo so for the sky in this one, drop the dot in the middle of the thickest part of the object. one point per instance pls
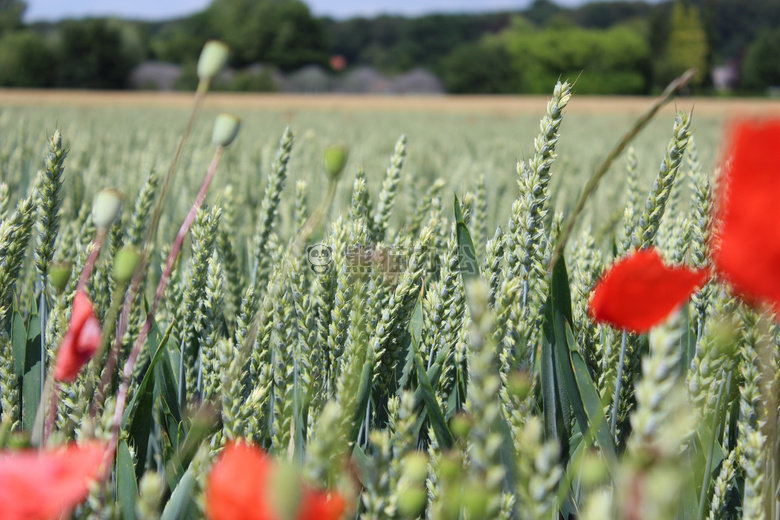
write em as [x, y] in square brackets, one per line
[50, 10]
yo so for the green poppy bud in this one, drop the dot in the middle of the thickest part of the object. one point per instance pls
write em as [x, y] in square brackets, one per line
[106, 208]
[59, 274]
[125, 264]
[335, 158]
[212, 58]
[225, 129]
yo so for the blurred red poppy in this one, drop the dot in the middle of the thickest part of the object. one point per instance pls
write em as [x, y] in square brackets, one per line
[239, 487]
[47, 485]
[638, 291]
[745, 241]
[81, 340]
[319, 505]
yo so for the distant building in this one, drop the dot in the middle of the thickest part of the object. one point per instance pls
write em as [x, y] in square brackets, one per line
[311, 79]
[155, 75]
[417, 81]
[363, 80]
[725, 77]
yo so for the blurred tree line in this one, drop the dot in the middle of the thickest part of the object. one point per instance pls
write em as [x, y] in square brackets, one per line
[614, 47]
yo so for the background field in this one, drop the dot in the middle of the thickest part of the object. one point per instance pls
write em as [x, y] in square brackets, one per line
[454, 138]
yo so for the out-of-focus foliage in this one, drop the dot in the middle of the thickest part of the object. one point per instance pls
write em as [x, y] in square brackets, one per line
[284, 33]
[91, 55]
[762, 66]
[479, 68]
[614, 61]
[26, 61]
[11, 12]
[686, 47]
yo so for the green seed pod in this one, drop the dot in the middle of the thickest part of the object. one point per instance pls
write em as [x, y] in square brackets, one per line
[335, 158]
[212, 58]
[225, 129]
[106, 208]
[125, 264]
[59, 274]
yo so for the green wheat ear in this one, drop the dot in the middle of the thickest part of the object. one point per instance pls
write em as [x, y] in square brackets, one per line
[49, 202]
[649, 221]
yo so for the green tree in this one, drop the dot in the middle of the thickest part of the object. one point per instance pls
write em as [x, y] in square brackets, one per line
[615, 61]
[281, 32]
[686, 47]
[478, 68]
[11, 12]
[180, 41]
[761, 68]
[90, 55]
[26, 61]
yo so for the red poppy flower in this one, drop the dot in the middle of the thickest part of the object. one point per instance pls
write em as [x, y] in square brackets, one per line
[81, 340]
[239, 487]
[47, 485]
[638, 291]
[319, 505]
[746, 224]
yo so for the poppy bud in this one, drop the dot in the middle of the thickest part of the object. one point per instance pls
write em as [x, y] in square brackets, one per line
[59, 274]
[335, 159]
[212, 58]
[125, 263]
[225, 129]
[106, 208]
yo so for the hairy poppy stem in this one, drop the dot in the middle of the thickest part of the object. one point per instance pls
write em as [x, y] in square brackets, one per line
[46, 416]
[618, 384]
[127, 372]
[89, 266]
[108, 369]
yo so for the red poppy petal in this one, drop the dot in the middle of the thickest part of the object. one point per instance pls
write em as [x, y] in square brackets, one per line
[82, 310]
[81, 340]
[638, 292]
[49, 484]
[320, 505]
[236, 484]
[67, 365]
[89, 339]
[746, 235]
